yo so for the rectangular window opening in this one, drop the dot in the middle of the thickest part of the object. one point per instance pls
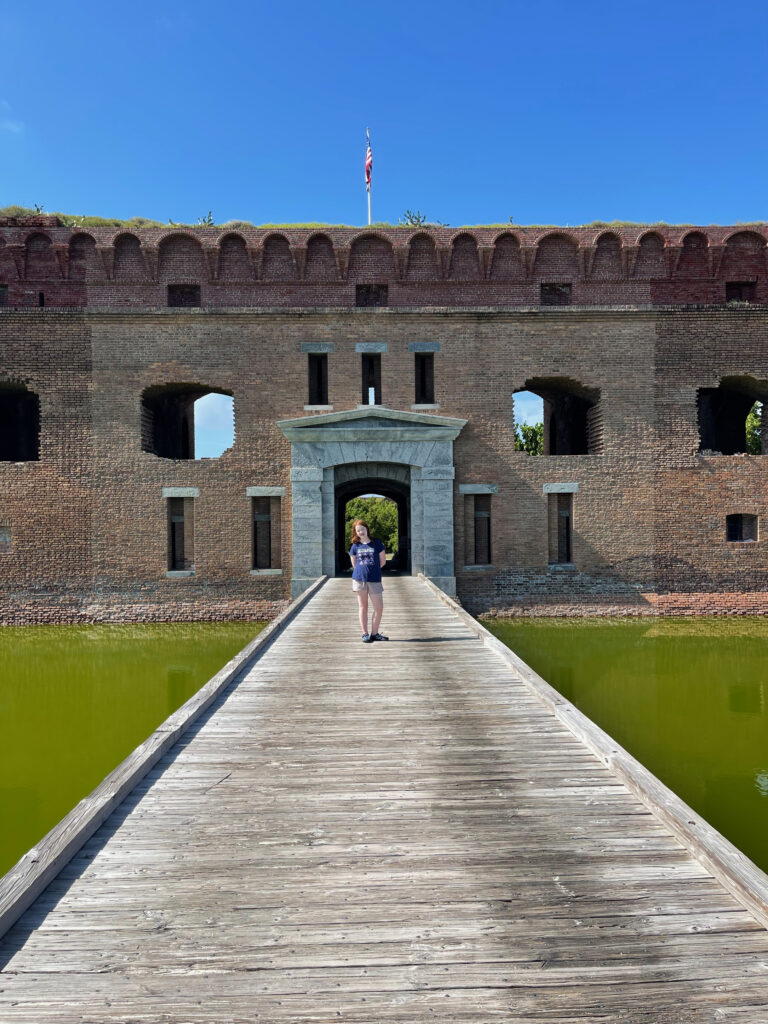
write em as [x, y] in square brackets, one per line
[740, 291]
[425, 378]
[555, 295]
[41, 299]
[180, 534]
[371, 366]
[184, 295]
[3, 294]
[318, 378]
[560, 529]
[266, 533]
[477, 529]
[741, 528]
[370, 295]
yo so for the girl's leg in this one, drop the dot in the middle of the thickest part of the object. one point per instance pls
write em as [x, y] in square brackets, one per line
[362, 599]
[377, 600]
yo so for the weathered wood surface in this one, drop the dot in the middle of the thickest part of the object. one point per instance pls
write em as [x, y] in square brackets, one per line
[393, 832]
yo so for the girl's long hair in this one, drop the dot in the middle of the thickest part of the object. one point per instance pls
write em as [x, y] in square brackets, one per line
[354, 538]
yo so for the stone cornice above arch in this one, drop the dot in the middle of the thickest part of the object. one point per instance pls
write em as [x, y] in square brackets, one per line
[372, 423]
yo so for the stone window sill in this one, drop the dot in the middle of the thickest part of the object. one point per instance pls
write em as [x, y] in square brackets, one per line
[561, 567]
[425, 405]
[742, 543]
[318, 408]
[478, 568]
[266, 572]
[179, 574]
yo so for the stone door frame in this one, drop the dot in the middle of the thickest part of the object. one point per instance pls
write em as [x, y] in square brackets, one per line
[376, 435]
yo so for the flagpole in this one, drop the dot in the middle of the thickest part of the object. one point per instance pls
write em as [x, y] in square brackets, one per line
[368, 169]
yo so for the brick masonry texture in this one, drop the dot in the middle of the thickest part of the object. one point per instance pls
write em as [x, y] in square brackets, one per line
[648, 327]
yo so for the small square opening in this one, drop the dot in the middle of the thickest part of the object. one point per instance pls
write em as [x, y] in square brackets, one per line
[740, 291]
[371, 295]
[555, 294]
[184, 295]
[740, 527]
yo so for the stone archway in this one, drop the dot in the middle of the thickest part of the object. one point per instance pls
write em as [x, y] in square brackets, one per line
[389, 479]
[418, 444]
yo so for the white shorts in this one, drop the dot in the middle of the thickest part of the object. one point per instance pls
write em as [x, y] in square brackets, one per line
[362, 586]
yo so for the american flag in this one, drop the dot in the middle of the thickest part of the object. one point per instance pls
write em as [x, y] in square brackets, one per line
[368, 162]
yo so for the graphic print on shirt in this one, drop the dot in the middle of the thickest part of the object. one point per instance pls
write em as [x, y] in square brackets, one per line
[367, 561]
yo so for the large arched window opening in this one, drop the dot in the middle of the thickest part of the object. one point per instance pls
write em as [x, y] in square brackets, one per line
[19, 423]
[730, 416]
[186, 421]
[571, 416]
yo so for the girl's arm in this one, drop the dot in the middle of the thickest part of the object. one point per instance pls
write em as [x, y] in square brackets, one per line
[382, 557]
[353, 559]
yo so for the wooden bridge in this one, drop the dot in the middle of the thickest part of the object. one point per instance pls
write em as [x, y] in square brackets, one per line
[400, 832]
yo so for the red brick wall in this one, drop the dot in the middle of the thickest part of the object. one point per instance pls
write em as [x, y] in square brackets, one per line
[88, 520]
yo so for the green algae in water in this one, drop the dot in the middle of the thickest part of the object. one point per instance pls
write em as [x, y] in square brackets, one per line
[687, 697]
[76, 700]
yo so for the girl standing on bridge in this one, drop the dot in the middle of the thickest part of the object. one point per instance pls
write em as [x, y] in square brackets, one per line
[368, 559]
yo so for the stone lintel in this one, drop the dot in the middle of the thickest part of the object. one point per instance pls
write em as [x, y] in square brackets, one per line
[181, 492]
[371, 346]
[424, 346]
[478, 488]
[316, 347]
[561, 488]
[265, 492]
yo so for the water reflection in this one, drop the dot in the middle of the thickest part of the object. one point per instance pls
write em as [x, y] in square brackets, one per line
[75, 700]
[686, 696]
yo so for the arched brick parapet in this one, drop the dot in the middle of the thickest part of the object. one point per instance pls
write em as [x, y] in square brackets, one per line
[234, 261]
[507, 263]
[39, 258]
[744, 257]
[650, 261]
[557, 258]
[181, 259]
[129, 259]
[465, 265]
[694, 256]
[606, 263]
[277, 263]
[423, 261]
[371, 258]
[321, 259]
[83, 258]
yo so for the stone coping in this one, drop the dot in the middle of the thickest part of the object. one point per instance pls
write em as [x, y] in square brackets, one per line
[21, 886]
[733, 869]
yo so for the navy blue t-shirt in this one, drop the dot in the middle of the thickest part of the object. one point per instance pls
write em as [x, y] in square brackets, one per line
[367, 566]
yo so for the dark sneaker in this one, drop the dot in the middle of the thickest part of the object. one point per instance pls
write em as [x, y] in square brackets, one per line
[379, 636]
[367, 638]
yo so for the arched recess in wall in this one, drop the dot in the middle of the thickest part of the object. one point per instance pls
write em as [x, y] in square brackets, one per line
[465, 265]
[180, 258]
[507, 264]
[693, 262]
[39, 259]
[650, 262]
[321, 260]
[744, 257]
[423, 264]
[168, 419]
[234, 261]
[129, 259]
[83, 258]
[19, 423]
[573, 422]
[277, 261]
[722, 414]
[8, 270]
[556, 259]
[606, 265]
[371, 259]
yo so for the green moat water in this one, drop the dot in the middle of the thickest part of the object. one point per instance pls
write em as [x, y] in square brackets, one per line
[75, 700]
[687, 697]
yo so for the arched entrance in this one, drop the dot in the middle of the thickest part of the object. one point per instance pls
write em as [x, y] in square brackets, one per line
[410, 452]
[388, 479]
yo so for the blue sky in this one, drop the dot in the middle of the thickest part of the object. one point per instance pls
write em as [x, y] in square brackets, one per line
[559, 113]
